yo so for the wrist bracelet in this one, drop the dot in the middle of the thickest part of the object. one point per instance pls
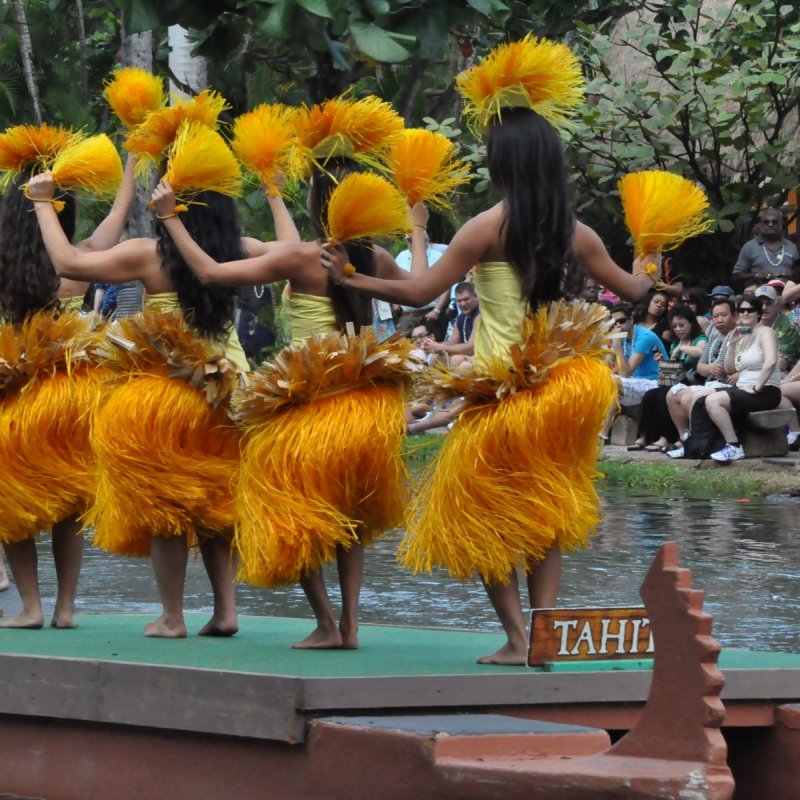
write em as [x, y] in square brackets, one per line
[167, 216]
[424, 227]
[342, 281]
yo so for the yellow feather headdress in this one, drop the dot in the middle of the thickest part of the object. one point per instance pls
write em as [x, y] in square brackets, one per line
[662, 210]
[92, 165]
[134, 93]
[425, 167]
[532, 73]
[22, 146]
[151, 140]
[343, 127]
[366, 206]
[201, 161]
[263, 140]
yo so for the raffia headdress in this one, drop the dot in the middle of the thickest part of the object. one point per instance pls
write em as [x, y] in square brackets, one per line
[662, 210]
[532, 73]
[343, 127]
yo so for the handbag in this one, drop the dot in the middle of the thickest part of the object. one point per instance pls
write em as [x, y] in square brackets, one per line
[670, 372]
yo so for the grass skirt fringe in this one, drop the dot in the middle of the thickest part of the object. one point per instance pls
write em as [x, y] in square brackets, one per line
[48, 393]
[166, 457]
[323, 468]
[516, 476]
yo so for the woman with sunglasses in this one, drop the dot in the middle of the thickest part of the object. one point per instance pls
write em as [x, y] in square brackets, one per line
[753, 353]
[697, 300]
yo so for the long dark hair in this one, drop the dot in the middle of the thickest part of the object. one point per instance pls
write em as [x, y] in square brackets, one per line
[213, 223]
[526, 163]
[685, 312]
[641, 309]
[348, 305]
[28, 281]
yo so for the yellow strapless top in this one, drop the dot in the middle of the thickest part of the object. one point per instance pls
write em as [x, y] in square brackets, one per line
[309, 314]
[167, 302]
[71, 303]
[502, 308]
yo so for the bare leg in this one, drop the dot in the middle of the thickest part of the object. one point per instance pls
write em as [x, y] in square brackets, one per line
[544, 579]
[351, 572]
[169, 555]
[3, 573]
[326, 635]
[719, 409]
[678, 407]
[506, 603]
[216, 552]
[67, 555]
[23, 561]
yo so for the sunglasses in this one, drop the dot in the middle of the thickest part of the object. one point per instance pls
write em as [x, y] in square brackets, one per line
[620, 320]
[746, 310]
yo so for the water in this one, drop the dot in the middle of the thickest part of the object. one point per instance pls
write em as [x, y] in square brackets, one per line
[746, 556]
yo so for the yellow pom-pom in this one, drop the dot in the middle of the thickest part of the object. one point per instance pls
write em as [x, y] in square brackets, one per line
[358, 129]
[366, 206]
[134, 93]
[263, 139]
[201, 161]
[151, 140]
[92, 165]
[425, 168]
[23, 146]
[532, 73]
[662, 210]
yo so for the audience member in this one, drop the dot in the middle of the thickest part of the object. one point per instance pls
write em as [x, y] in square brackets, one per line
[768, 252]
[461, 341]
[786, 331]
[434, 314]
[710, 367]
[651, 313]
[697, 300]
[3, 573]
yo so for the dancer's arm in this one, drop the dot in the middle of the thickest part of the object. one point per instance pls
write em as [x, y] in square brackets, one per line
[109, 231]
[285, 229]
[280, 262]
[387, 268]
[123, 262]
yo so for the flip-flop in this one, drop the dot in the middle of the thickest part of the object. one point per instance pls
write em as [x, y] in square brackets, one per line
[636, 446]
[653, 448]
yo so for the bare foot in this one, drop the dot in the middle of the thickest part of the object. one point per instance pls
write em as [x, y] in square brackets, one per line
[219, 626]
[506, 655]
[321, 639]
[63, 621]
[4, 582]
[349, 637]
[162, 628]
[31, 620]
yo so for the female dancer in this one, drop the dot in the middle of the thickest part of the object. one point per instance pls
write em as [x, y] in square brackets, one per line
[525, 463]
[29, 285]
[162, 450]
[288, 527]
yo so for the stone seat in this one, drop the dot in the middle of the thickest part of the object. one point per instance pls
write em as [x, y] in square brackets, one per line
[763, 434]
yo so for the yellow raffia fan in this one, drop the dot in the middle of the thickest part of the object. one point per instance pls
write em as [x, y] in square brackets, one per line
[134, 93]
[151, 140]
[425, 167]
[366, 206]
[92, 165]
[532, 73]
[263, 140]
[343, 127]
[23, 146]
[662, 210]
[200, 160]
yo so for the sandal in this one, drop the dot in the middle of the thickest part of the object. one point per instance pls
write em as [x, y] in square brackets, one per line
[636, 446]
[653, 448]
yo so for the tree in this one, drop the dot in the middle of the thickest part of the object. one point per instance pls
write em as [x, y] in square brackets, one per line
[26, 55]
[703, 90]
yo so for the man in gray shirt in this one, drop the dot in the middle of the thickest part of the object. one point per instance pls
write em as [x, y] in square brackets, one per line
[768, 253]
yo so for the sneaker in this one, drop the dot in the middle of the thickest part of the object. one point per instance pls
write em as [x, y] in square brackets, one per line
[730, 452]
[676, 452]
[793, 440]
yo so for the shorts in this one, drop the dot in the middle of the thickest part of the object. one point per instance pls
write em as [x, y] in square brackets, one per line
[634, 389]
[744, 402]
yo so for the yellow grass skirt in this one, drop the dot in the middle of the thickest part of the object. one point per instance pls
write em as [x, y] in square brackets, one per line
[48, 393]
[516, 475]
[322, 468]
[166, 457]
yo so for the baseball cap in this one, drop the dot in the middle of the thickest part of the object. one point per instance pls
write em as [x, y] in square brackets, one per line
[721, 291]
[767, 291]
[776, 284]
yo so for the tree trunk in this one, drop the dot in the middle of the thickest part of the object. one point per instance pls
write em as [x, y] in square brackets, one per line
[190, 72]
[82, 50]
[26, 53]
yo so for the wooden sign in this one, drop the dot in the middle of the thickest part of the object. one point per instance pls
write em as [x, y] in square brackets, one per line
[585, 634]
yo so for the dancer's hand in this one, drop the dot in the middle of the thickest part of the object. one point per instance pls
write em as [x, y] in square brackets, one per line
[41, 187]
[278, 184]
[163, 201]
[334, 258]
[419, 215]
[644, 266]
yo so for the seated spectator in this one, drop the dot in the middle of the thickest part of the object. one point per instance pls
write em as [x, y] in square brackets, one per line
[3, 574]
[710, 368]
[753, 353]
[434, 314]
[697, 300]
[651, 313]
[768, 253]
[590, 292]
[656, 429]
[786, 331]
[461, 342]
